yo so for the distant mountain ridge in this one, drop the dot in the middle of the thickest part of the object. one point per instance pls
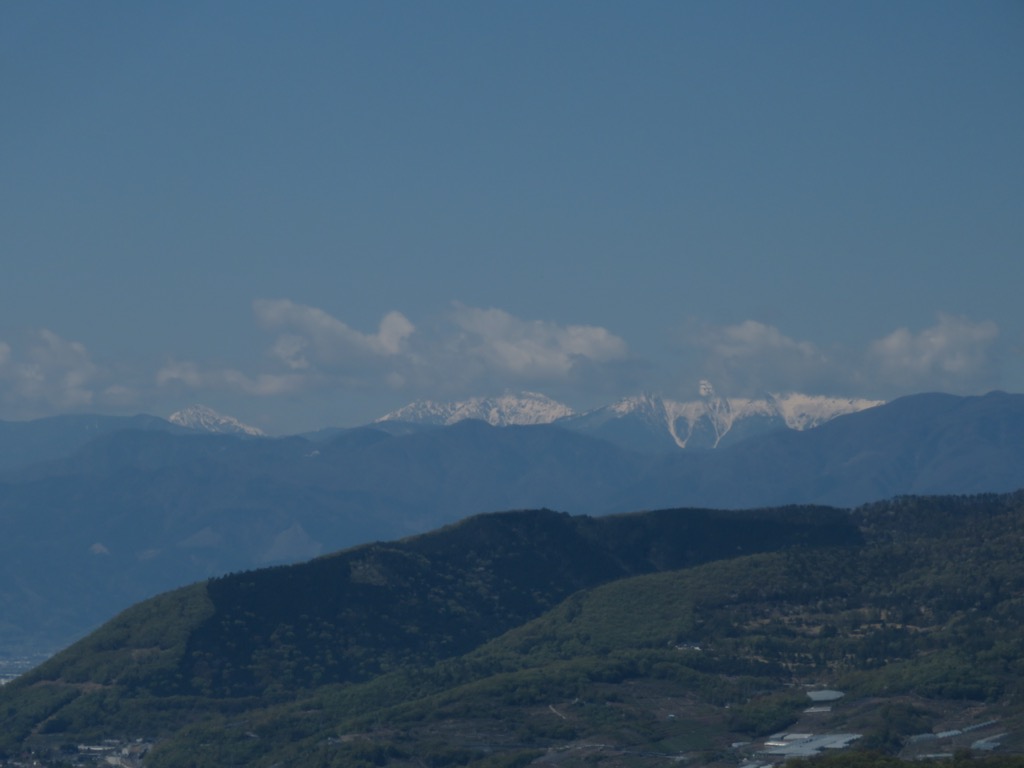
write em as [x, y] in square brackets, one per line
[523, 408]
[645, 422]
[23, 443]
[203, 419]
[145, 506]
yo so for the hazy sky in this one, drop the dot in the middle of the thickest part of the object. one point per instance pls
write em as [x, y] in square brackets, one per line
[307, 214]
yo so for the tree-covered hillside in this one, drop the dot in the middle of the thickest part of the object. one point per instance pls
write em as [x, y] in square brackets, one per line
[512, 637]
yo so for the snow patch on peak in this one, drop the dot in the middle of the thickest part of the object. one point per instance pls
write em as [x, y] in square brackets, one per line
[204, 419]
[711, 415]
[808, 411]
[510, 409]
[707, 421]
[648, 405]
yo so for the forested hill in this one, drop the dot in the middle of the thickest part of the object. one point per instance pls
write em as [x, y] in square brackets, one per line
[354, 614]
[527, 631]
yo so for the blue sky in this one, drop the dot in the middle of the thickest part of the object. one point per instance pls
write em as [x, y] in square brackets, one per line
[308, 214]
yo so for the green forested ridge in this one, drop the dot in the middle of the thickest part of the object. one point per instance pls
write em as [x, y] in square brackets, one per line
[514, 634]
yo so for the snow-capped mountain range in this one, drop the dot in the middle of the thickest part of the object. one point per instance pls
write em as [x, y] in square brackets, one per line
[203, 419]
[523, 408]
[646, 422]
[641, 422]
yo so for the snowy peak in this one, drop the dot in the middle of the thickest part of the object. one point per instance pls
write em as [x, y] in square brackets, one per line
[712, 418]
[642, 423]
[203, 419]
[523, 408]
[707, 421]
[808, 411]
[698, 423]
[647, 422]
[649, 407]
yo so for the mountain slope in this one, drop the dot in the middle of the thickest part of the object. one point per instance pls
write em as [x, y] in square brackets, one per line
[655, 424]
[519, 409]
[925, 444]
[645, 423]
[23, 443]
[919, 603]
[134, 513]
[353, 615]
[200, 418]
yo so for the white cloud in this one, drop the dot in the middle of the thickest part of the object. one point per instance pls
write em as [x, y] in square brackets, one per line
[472, 350]
[531, 349]
[51, 373]
[310, 337]
[467, 348]
[120, 395]
[191, 376]
[954, 354]
[754, 357]
[753, 339]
